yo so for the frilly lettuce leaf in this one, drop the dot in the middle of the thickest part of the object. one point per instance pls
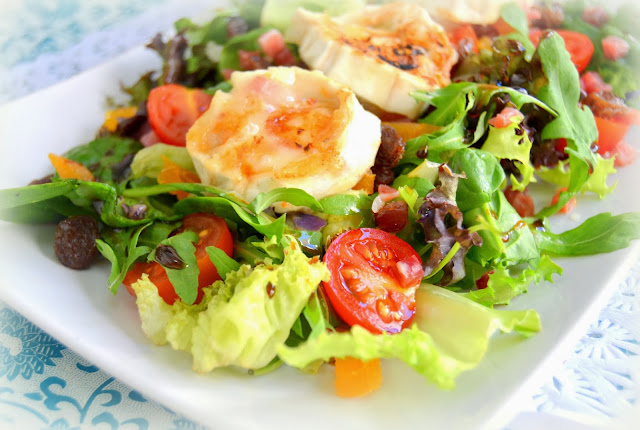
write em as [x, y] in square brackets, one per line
[450, 335]
[597, 182]
[504, 143]
[503, 286]
[241, 321]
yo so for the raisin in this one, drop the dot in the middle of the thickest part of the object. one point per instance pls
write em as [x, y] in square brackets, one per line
[389, 154]
[75, 242]
[393, 216]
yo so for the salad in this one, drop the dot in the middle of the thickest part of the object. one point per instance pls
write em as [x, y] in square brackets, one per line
[305, 187]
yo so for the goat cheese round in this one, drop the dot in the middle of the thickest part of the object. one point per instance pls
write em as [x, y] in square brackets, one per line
[284, 127]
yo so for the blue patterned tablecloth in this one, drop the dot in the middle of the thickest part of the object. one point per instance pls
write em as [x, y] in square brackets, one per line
[44, 385]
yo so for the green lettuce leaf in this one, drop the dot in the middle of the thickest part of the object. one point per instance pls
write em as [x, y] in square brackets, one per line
[242, 321]
[597, 182]
[450, 335]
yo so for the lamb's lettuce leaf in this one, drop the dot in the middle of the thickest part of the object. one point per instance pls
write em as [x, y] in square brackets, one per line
[483, 176]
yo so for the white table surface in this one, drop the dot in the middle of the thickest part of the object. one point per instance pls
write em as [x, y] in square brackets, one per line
[43, 384]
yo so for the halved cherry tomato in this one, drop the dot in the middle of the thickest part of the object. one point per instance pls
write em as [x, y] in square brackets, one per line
[521, 201]
[614, 47]
[172, 109]
[503, 119]
[610, 133]
[502, 27]
[374, 277]
[213, 231]
[578, 45]
[464, 33]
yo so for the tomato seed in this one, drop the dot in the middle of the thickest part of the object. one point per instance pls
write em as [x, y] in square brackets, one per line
[363, 250]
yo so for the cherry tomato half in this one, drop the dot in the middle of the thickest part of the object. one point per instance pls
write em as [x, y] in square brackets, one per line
[172, 109]
[213, 231]
[610, 133]
[374, 277]
[578, 45]
[466, 34]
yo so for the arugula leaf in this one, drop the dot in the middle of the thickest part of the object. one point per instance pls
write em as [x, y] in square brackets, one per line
[574, 123]
[599, 234]
[224, 264]
[215, 30]
[22, 204]
[516, 17]
[122, 250]
[184, 280]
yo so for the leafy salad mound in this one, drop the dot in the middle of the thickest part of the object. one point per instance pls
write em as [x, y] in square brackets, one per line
[515, 114]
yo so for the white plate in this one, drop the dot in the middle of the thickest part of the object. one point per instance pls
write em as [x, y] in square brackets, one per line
[76, 308]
